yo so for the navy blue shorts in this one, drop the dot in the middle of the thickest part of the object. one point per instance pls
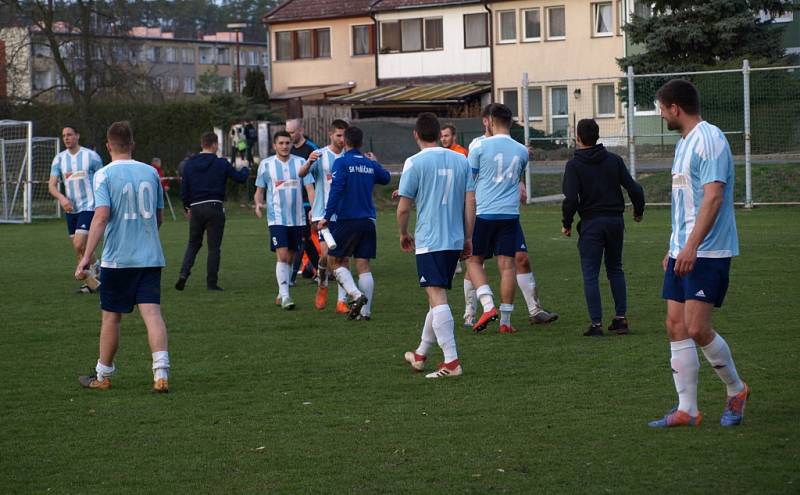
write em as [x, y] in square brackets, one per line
[123, 288]
[495, 237]
[522, 246]
[707, 282]
[282, 236]
[354, 238]
[436, 269]
[79, 222]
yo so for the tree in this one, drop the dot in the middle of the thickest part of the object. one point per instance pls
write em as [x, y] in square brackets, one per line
[255, 87]
[210, 82]
[688, 35]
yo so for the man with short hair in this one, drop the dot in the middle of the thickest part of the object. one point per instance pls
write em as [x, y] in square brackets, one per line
[438, 181]
[205, 177]
[278, 177]
[592, 184]
[351, 215]
[75, 167]
[302, 146]
[696, 267]
[526, 281]
[129, 206]
[448, 139]
[318, 169]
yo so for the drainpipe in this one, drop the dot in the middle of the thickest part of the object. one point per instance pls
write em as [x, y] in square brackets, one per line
[491, 44]
[375, 41]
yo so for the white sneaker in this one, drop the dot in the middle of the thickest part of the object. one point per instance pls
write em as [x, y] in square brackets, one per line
[412, 359]
[469, 320]
[447, 370]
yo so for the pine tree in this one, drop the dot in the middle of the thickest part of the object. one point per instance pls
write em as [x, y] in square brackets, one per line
[255, 87]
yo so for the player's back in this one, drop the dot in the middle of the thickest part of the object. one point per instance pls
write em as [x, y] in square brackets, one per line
[133, 193]
[437, 180]
[497, 164]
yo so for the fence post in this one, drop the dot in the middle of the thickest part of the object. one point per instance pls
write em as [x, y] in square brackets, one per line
[631, 124]
[527, 134]
[58, 203]
[748, 167]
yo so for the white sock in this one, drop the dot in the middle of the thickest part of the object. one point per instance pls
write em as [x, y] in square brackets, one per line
[505, 314]
[283, 273]
[345, 279]
[104, 371]
[685, 367]
[161, 365]
[484, 294]
[341, 295]
[367, 285]
[719, 355]
[322, 273]
[470, 298]
[443, 328]
[527, 285]
[428, 336]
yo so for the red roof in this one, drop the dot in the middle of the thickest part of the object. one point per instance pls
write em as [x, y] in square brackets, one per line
[307, 10]
[384, 5]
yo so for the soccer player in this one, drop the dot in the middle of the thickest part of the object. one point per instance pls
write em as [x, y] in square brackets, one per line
[129, 206]
[525, 279]
[592, 186]
[76, 167]
[278, 177]
[701, 246]
[302, 146]
[350, 202]
[448, 139]
[438, 181]
[318, 169]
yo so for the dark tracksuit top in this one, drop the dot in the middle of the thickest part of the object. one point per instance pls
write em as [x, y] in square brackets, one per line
[354, 176]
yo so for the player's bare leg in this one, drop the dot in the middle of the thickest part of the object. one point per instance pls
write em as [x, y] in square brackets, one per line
[530, 292]
[366, 284]
[508, 287]
[341, 270]
[109, 342]
[157, 338]
[470, 299]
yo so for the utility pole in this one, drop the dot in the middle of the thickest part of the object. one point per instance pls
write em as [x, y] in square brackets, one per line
[237, 28]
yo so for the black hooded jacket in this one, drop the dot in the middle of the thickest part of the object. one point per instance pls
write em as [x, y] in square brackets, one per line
[205, 176]
[591, 186]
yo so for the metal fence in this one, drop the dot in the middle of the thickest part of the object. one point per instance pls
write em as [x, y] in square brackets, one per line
[756, 108]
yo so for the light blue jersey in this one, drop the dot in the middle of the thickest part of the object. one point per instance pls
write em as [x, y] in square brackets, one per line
[497, 164]
[437, 180]
[284, 190]
[320, 175]
[77, 172]
[703, 157]
[133, 192]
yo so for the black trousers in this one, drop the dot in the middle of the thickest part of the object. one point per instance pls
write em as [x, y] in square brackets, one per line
[206, 217]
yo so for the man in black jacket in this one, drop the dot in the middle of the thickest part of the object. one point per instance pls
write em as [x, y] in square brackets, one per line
[203, 190]
[592, 181]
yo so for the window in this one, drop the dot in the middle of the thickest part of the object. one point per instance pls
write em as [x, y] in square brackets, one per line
[207, 55]
[556, 23]
[642, 9]
[283, 46]
[362, 40]
[535, 103]
[153, 54]
[170, 55]
[303, 47]
[509, 97]
[42, 80]
[322, 44]
[507, 26]
[603, 23]
[265, 59]
[559, 111]
[605, 101]
[41, 49]
[227, 84]
[476, 30]
[433, 34]
[187, 55]
[532, 25]
[188, 85]
[390, 37]
[172, 84]
[411, 35]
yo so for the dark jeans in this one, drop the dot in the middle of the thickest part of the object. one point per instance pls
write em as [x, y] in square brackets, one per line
[307, 247]
[599, 236]
[205, 217]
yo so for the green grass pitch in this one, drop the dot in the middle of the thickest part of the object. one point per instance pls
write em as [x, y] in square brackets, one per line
[266, 401]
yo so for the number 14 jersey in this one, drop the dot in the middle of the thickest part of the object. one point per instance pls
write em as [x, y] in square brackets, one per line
[132, 191]
[497, 164]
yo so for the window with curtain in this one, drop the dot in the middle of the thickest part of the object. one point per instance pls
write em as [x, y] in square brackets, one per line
[556, 23]
[510, 97]
[323, 48]
[476, 30]
[304, 44]
[434, 36]
[390, 37]
[283, 46]
[361, 40]
[533, 24]
[605, 100]
[507, 25]
[534, 103]
[559, 111]
[411, 35]
[603, 21]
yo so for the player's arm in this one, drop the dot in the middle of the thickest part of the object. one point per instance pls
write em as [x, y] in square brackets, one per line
[306, 168]
[159, 217]
[713, 193]
[338, 185]
[635, 191]
[570, 187]
[239, 176]
[403, 213]
[469, 222]
[382, 176]
[96, 231]
[52, 187]
[258, 199]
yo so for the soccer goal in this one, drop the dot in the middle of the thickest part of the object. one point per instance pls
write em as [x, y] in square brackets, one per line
[24, 172]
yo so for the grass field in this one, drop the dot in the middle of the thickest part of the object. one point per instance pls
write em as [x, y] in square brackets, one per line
[265, 401]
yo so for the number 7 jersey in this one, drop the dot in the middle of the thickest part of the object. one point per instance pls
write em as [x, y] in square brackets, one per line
[132, 191]
[497, 164]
